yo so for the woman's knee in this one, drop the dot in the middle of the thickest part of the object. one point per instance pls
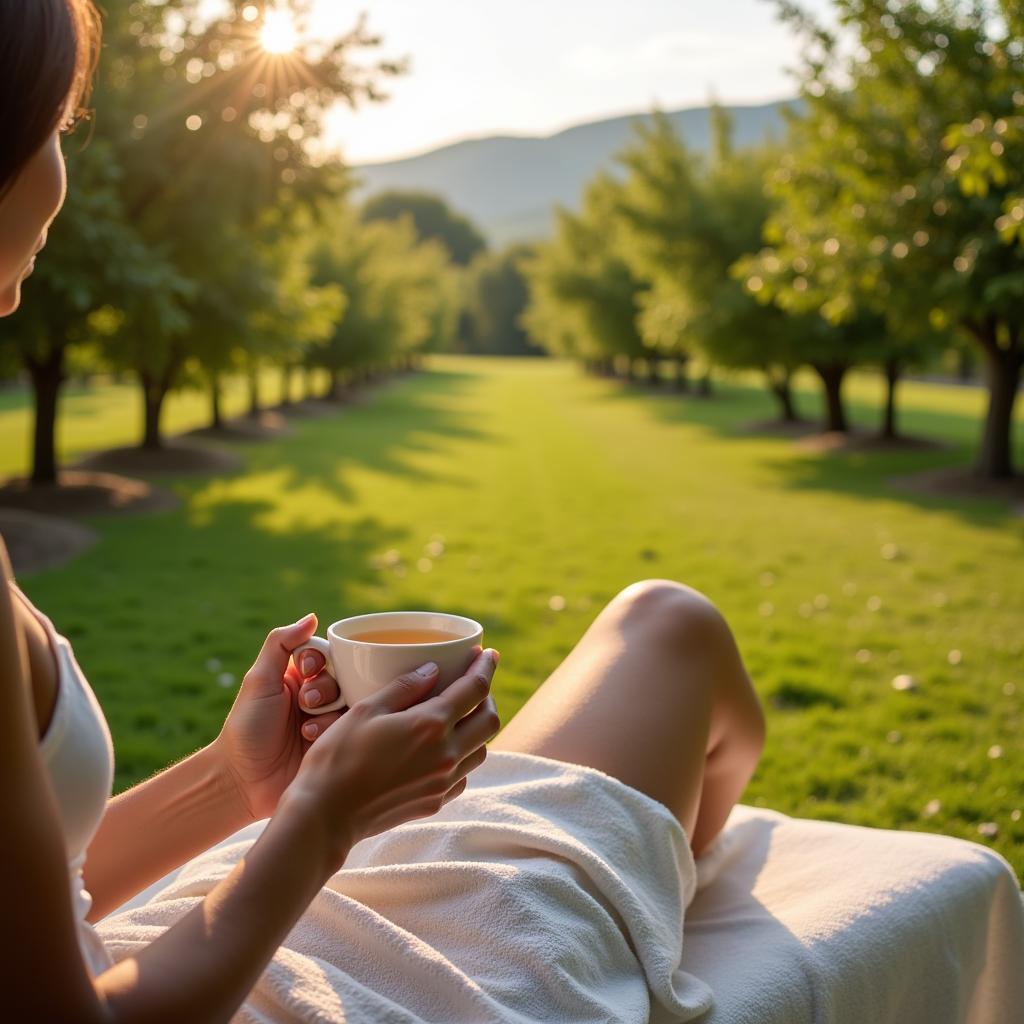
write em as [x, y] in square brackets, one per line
[685, 621]
[672, 612]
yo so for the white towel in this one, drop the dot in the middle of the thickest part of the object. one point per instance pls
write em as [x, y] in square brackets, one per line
[545, 892]
[802, 921]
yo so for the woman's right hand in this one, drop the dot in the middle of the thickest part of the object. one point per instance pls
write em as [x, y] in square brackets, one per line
[395, 756]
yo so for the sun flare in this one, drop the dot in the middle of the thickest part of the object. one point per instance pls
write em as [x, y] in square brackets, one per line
[278, 34]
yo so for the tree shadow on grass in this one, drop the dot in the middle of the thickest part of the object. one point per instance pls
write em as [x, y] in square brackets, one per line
[889, 477]
[388, 434]
[734, 404]
[868, 475]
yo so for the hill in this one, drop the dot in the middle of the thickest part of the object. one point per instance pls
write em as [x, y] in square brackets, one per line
[509, 185]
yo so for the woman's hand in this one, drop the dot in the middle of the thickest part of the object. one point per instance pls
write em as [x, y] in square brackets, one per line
[261, 744]
[395, 755]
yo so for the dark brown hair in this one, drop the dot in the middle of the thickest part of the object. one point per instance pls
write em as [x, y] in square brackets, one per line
[48, 51]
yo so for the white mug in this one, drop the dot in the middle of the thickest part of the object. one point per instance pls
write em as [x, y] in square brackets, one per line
[362, 667]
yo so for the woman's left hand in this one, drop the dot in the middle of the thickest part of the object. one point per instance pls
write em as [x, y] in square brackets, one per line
[261, 743]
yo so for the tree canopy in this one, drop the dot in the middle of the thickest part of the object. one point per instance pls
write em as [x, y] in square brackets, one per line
[433, 218]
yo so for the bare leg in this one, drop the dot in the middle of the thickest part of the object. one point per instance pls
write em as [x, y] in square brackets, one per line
[655, 694]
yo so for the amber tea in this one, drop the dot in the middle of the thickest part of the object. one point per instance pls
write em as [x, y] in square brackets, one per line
[404, 636]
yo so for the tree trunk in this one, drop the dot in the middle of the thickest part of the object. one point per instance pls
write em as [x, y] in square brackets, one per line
[332, 385]
[153, 394]
[287, 375]
[654, 371]
[781, 388]
[308, 383]
[704, 385]
[964, 366]
[831, 375]
[1003, 366]
[680, 382]
[47, 377]
[892, 377]
[216, 419]
[254, 393]
[630, 369]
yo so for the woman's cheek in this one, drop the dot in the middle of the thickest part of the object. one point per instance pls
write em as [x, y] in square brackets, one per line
[26, 213]
[53, 180]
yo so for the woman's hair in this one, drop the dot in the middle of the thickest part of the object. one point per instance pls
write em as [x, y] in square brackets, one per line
[48, 51]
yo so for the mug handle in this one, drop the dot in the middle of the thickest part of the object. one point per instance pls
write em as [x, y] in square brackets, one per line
[317, 643]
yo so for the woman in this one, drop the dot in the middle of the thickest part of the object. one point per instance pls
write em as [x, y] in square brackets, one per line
[652, 712]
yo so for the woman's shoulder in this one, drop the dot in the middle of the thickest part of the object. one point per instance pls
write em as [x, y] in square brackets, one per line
[8, 620]
[26, 658]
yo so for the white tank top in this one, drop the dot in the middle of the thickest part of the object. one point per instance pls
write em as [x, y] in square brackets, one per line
[79, 758]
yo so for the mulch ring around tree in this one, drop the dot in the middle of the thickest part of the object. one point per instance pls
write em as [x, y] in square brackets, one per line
[858, 441]
[961, 482]
[174, 457]
[780, 428]
[37, 542]
[310, 408]
[37, 521]
[79, 494]
[268, 425]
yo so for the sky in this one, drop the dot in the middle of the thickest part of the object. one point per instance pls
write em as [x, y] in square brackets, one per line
[533, 67]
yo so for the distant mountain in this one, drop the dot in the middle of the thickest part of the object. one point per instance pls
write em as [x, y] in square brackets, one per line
[509, 185]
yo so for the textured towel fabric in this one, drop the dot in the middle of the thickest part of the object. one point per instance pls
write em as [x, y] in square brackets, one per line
[545, 892]
[812, 921]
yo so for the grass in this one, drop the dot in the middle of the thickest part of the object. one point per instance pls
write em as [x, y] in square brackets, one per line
[542, 483]
[92, 418]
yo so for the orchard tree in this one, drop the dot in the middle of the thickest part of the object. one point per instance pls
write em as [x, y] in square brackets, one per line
[433, 218]
[496, 295]
[686, 220]
[95, 268]
[584, 298]
[400, 294]
[664, 226]
[199, 128]
[222, 129]
[899, 193]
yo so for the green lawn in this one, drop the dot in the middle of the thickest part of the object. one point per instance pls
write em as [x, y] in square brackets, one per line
[541, 483]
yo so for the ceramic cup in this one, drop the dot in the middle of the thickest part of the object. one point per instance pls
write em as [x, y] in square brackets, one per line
[361, 667]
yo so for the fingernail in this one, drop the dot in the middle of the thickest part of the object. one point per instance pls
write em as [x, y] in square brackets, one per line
[426, 670]
[310, 729]
[495, 656]
[308, 664]
[305, 618]
[313, 697]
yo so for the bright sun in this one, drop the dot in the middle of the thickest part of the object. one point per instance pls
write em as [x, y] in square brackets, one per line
[278, 34]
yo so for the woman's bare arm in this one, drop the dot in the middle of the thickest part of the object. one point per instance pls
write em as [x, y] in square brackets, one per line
[394, 757]
[158, 825]
[201, 969]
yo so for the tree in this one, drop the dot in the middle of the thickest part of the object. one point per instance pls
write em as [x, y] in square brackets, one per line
[400, 294]
[292, 316]
[897, 197]
[433, 218]
[95, 266]
[686, 221]
[221, 134]
[198, 132]
[584, 298]
[496, 297]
